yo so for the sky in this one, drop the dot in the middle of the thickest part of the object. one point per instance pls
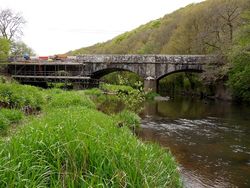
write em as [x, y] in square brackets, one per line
[58, 26]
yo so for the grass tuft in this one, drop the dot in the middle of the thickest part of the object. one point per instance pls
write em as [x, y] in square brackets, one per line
[127, 118]
[70, 98]
[8, 117]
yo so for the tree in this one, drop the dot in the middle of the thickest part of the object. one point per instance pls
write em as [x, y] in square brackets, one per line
[239, 78]
[11, 24]
[4, 49]
[20, 48]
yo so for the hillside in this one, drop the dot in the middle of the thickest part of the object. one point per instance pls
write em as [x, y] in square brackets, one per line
[211, 27]
[202, 28]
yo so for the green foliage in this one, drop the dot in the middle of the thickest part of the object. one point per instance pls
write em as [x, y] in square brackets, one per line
[209, 27]
[70, 98]
[80, 147]
[60, 85]
[20, 48]
[8, 117]
[151, 95]
[239, 78]
[93, 92]
[21, 96]
[121, 37]
[4, 49]
[116, 88]
[180, 83]
[12, 115]
[123, 78]
[201, 28]
[131, 98]
[2, 79]
[3, 124]
[127, 118]
[155, 24]
[74, 145]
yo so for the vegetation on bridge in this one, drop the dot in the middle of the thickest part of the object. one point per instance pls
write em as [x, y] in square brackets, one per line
[71, 144]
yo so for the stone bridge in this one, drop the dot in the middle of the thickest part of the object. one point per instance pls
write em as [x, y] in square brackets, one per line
[91, 67]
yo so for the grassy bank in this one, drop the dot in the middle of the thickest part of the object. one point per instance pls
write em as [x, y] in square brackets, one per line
[71, 144]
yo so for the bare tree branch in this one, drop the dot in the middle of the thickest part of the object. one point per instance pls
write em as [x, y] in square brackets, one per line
[11, 24]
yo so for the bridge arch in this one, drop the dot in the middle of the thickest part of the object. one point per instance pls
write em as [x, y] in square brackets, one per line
[157, 81]
[100, 73]
[178, 71]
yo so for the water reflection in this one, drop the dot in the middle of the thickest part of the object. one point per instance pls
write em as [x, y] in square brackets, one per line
[210, 140]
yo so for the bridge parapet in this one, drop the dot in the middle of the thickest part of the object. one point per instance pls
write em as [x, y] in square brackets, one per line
[169, 59]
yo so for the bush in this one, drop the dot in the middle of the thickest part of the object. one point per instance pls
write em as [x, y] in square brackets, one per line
[131, 98]
[21, 97]
[116, 88]
[151, 95]
[239, 77]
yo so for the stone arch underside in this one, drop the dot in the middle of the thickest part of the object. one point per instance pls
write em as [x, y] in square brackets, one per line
[99, 70]
[178, 71]
[164, 70]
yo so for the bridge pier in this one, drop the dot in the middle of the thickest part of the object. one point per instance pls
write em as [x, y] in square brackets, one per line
[150, 84]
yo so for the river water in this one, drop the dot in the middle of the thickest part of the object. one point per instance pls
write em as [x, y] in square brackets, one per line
[210, 140]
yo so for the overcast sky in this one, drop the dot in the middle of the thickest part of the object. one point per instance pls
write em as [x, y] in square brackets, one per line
[57, 26]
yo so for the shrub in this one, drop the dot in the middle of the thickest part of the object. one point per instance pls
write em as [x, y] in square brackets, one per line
[239, 77]
[116, 88]
[151, 95]
[131, 98]
[21, 96]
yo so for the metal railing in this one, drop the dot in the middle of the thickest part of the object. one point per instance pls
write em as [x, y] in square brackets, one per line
[50, 73]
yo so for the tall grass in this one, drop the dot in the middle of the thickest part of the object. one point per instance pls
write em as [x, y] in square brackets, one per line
[81, 147]
[74, 145]
[21, 97]
[70, 98]
[8, 117]
[127, 118]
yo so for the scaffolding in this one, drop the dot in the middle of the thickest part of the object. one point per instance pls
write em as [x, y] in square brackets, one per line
[52, 72]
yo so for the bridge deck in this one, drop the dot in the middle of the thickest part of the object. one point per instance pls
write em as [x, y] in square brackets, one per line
[53, 77]
[38, 62]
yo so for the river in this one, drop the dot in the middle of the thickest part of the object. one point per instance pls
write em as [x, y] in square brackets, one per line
[210, 140]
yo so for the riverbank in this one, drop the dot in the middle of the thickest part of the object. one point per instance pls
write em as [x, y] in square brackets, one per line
[67, 142]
